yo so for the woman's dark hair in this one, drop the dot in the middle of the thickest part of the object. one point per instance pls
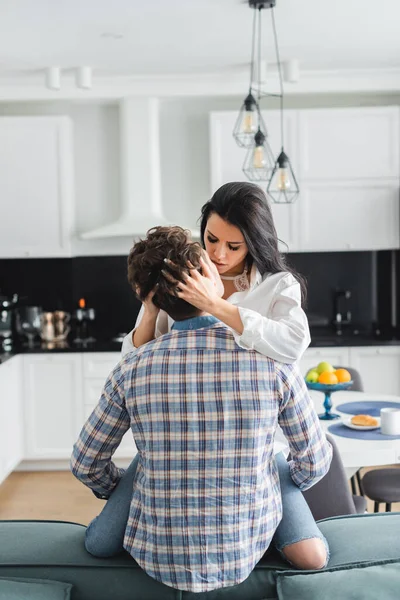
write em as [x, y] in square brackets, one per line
[146, 263]
[245, 205]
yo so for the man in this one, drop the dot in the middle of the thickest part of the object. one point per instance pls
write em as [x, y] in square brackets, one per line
[203, 495]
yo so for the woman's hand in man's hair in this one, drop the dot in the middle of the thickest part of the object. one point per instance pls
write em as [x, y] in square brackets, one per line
[151, 310]
[199, 290]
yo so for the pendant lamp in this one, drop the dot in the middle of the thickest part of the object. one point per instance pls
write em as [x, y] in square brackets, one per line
[250, 131]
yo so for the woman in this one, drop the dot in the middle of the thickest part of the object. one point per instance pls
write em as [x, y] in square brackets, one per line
[261, 303]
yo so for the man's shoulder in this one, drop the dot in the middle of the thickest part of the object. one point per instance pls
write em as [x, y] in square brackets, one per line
[218, 337]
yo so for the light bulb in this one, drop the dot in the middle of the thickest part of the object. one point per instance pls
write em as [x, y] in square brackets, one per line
[259, 157]
[248, 122]
[283, 179]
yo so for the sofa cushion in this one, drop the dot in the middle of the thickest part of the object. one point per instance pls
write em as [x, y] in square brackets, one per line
[55, 550]
[19, 588]
[364, 581]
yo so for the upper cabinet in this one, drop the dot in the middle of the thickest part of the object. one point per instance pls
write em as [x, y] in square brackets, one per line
[347, 164]
[36, 186]
[349, 143]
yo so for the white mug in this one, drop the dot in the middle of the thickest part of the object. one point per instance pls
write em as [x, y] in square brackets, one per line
[390, 421]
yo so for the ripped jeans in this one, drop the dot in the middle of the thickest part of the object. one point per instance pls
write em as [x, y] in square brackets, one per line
[105, 534]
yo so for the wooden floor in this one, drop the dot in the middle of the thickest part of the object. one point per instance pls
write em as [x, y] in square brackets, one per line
[53, 495]
[57, 495]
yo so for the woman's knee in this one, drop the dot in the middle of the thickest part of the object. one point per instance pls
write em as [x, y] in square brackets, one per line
[95, 549]
[308, 554]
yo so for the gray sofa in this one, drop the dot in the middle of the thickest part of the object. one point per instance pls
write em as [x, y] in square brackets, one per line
[361, 546]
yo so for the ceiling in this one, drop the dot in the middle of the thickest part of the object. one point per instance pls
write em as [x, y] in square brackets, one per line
[160, 37]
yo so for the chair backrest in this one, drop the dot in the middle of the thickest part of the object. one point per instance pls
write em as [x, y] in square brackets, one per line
[331, 496]
[356, 377]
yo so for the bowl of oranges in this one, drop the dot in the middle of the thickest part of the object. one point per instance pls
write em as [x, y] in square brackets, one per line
[325, 378]
[324, 375]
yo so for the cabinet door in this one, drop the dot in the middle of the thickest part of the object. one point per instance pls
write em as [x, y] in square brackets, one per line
[3, 421]
[11, 423]
[53, 404]
[349, 143]
[226, 162]
[379, 367]
[350, 215]
[36, 186]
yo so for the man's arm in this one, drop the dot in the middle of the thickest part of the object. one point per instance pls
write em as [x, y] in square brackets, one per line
[311, 453]
[100, 436]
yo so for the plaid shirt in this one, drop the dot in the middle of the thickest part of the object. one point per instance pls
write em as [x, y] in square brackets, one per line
[203, 411]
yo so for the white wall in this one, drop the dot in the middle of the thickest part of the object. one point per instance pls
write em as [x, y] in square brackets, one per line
[185, 169]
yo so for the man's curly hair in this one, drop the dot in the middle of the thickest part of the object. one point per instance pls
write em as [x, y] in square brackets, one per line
[146, 261]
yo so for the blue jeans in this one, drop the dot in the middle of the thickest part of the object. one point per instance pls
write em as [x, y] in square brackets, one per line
[105, 534]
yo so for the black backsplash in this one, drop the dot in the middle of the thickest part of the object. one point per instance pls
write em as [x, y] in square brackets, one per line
[58, 284]
[101, 280]
[326, 272]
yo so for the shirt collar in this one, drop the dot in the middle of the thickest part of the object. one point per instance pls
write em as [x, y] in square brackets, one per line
[255, 277]
[195, 323]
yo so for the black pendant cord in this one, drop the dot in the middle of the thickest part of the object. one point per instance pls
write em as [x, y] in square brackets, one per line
[259, 67]
[253, 45]
[279, 71]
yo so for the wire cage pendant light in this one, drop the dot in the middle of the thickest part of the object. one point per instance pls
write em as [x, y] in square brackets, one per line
[250, 131]
[259, 162]
[248, 122]
[283, 187]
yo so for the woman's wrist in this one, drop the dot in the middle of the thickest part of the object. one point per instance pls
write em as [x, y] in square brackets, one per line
[227, 313]
[150, 317]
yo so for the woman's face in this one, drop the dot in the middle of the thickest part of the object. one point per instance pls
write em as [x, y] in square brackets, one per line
[225, 245]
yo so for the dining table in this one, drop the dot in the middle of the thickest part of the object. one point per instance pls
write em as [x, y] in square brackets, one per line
[358, 453]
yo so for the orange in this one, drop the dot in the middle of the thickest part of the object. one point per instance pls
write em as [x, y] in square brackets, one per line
[343, 375]
[328, 378]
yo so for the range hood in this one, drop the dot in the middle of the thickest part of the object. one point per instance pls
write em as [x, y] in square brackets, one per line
[140, 175]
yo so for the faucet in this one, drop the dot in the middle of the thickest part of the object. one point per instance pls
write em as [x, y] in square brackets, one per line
[339, 318]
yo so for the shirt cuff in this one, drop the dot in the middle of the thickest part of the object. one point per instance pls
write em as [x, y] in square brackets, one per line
[251, 329]
[106, 496]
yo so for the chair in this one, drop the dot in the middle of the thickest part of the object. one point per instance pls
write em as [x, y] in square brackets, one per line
[331, 497]
[357, 386]
[382, 485]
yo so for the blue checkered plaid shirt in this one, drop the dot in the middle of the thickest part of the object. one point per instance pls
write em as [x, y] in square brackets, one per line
[203, 412]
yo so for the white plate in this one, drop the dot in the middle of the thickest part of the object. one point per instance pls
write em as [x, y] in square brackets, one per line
[348, 423]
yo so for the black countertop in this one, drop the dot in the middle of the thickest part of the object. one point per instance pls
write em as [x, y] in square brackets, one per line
[319, 339]
[98, 346]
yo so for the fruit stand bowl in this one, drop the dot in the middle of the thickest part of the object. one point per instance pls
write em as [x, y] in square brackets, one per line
[328, 389]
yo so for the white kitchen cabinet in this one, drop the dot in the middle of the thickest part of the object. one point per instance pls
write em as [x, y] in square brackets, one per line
[357, 215]
[96, 368]
[379, 367]
[226, 162]
[11, 423]
[350, 144]
[348, 168]
[53, 406]
[36, 186]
